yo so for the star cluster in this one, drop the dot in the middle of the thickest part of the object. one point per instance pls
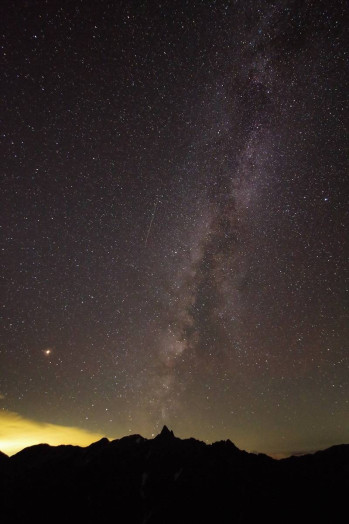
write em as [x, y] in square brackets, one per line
[174, 199]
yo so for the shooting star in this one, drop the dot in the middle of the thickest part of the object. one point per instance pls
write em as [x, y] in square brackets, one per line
[151, 223]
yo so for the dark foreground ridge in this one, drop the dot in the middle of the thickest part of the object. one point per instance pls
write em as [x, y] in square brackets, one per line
[167, 480]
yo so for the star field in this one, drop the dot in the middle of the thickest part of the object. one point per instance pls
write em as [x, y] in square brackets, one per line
[174, 219]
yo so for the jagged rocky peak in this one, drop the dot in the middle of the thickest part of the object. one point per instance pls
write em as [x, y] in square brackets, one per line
[166, 433]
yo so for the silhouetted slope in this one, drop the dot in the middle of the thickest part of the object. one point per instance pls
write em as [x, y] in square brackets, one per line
[167, 480]
[3, 458]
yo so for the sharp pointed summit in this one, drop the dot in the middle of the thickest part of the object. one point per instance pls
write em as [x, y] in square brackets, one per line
[166, 433]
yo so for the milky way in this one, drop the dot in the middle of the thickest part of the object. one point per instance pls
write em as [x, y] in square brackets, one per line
[174, 226]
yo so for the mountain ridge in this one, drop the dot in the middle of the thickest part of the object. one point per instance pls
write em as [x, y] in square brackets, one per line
[171, 480]
[165, 433]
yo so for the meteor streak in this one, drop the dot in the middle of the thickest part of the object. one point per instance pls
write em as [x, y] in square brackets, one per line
[151, 223]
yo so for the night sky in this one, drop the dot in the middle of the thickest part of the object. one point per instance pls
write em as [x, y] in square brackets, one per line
[174, 221]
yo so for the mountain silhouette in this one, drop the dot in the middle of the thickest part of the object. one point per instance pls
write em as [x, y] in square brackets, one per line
[165, 434]
[168, 480]
[3, 458]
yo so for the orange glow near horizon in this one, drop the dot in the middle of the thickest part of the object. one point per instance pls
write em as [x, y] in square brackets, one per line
[17, 432]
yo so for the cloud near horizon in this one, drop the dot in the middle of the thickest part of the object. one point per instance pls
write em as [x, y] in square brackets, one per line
[18, 432]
